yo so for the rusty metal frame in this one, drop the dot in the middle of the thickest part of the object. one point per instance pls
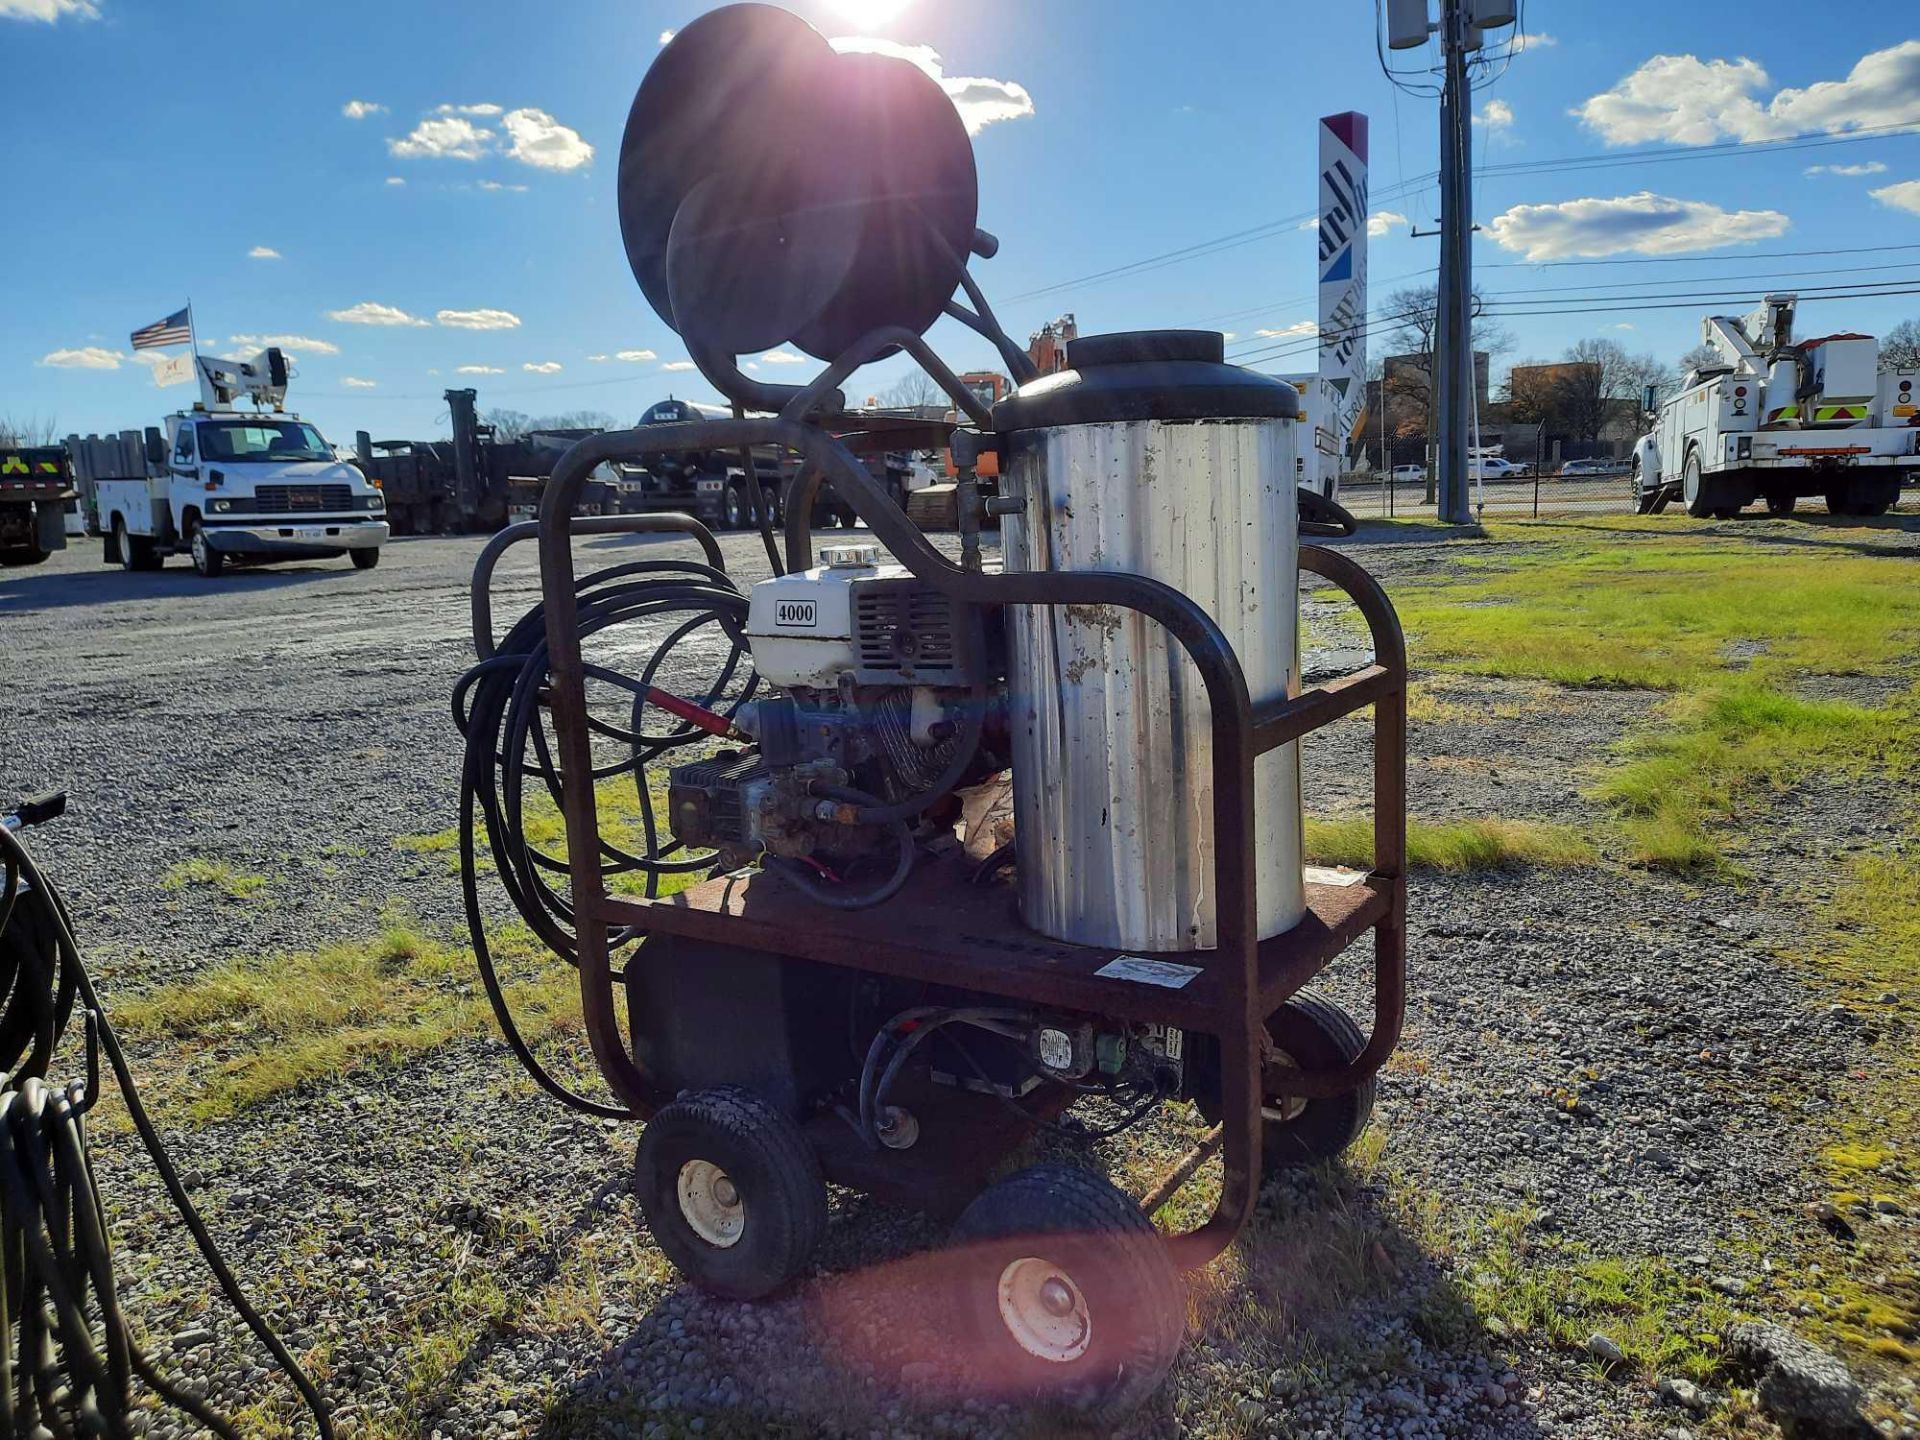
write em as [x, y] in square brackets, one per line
[1240, 731]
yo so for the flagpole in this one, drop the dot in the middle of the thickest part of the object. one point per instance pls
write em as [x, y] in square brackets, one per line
[193, 339]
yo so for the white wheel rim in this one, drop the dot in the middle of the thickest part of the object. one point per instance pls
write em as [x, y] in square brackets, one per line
[710, 1203]
[1292, 1107]
[1044, 1311]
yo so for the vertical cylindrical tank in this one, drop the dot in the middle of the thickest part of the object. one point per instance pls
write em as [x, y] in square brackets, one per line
[1148, 455]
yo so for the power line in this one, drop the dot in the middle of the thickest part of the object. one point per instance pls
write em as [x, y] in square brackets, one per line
[1200, 249]
[1605, 304]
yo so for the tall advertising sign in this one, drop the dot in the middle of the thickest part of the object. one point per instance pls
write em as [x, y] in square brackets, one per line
[1342, 380]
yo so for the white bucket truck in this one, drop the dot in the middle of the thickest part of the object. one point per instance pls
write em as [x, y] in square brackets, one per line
[1779, 420]
[233, 486]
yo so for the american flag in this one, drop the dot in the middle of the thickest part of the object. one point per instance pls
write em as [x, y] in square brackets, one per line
[176, 329]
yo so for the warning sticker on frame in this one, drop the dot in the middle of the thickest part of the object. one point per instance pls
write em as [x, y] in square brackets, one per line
[1142, 971]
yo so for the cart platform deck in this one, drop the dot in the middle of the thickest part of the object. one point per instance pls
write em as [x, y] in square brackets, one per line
[943, 930]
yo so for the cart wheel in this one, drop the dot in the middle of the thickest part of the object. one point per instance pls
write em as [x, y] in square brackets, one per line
[731, 1191]
[1311, 1032]
[1069, 1292]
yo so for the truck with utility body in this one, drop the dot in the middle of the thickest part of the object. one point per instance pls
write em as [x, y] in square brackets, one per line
[227, 486]
[1781, 420]
[36, 484]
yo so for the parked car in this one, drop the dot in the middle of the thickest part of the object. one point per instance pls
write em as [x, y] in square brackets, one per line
[1493, 468]
[1409, 474]
[1574, 469]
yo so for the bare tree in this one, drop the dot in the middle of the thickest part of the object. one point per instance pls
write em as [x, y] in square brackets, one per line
[1900, 347]
[29, 431]
[915, 390]
[1700, 357]
[512, 424]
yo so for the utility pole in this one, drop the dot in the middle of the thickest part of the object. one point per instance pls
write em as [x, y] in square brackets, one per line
[1453, 327]
[1459, 28]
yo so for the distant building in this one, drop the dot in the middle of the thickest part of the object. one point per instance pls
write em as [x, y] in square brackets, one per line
[1412, 375]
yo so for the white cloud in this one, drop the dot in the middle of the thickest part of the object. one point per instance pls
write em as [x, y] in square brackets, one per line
[482, 109]
[1641, 224]
[1690, 101]
[980, 101]
[632, 357]
[1229, 335]
[49, 11]
[1872, 167]
[1496, 116]
[395, 180]
[87, 357]
[783, 357]
[361, 109]
[372, 312]
[263, 252]
[354, 382]
[678, 365]
[1619, 325]
[479, 370]
[666, 35]
[1288, 332]
[1381, 222]
[543, 142]
[295, 345]
[544, 367]
[498, 185]
[478, 319]
[1526, 40]
[1902, 195]
[448, 138]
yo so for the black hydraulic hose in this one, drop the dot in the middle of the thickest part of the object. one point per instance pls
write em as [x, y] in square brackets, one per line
[67, 1356]
[499, 707]
[875, 1082]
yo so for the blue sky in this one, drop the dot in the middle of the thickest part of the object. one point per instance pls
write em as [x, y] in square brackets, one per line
[154, 146]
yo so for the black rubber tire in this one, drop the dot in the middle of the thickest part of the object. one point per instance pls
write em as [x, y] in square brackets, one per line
[1093, 1233]
[770, 1163]
[1725, 512]
[734, 513]
[28, 555]
[208, 563]
[366, 557]
[1317, 1034]
[1701, 505]
[1643, 500]
[1781, 504]
[122, 545]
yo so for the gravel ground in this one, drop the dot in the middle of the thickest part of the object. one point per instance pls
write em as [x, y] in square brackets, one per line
[1618, 1060]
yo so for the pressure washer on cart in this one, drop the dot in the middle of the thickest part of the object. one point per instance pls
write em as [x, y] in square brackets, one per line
[821, 981]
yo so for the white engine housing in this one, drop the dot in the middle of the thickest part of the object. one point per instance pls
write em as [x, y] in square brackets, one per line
[800, 626]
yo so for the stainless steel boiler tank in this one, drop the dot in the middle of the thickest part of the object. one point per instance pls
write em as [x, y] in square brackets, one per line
[1148, 454]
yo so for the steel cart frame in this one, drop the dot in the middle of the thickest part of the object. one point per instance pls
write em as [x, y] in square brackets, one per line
[972, 940]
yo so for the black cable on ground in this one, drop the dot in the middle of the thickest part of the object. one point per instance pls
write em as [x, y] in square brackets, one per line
[67, 1357]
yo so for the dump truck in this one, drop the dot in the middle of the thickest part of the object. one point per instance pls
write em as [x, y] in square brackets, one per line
[241, 486]
[36, 484]
[1780, 420]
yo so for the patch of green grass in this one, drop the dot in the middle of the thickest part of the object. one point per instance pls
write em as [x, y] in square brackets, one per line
[545, 830]
[202, 873]
[1720, 745]
[1452, 845]
[256, 1027]
[1661, 614]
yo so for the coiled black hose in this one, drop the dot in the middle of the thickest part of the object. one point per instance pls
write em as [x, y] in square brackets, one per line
[67, 1358]
[499, 706]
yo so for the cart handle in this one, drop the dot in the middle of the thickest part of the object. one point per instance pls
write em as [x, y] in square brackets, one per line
[482, 589]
